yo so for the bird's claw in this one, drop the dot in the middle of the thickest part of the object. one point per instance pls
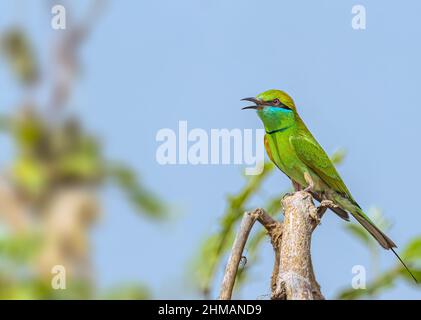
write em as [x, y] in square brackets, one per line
[315, 215]
[328, 204]
[287, 194]
[324, 205]
[308, 189]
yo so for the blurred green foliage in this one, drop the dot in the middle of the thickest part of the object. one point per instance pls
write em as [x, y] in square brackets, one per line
[17, 249]
[143, 199]
[64, 153]
[53, 151]
[16, 47]
[215, 248]
[388, 278]
[19, 281]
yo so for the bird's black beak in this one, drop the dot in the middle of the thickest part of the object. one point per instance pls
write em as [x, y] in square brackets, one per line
[254, 100]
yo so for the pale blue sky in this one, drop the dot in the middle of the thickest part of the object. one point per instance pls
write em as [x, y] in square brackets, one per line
[149, 64]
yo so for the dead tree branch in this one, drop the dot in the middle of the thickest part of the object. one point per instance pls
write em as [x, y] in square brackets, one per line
[274, 230]
[293, 276]
[236, 253]
[296, 279]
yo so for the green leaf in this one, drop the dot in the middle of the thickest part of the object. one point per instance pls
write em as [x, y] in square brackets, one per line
[408, 278]
[203, 267]
[144, 200]
[30, 176]
[215, 246]
[28, 130]
[359, 232]
[16, 46]
[79, 165]
[19, 248]
[338, 156]
[412, 251]
[383, 282]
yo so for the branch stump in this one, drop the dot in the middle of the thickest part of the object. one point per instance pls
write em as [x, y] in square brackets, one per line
[296, 279]
[293, 276]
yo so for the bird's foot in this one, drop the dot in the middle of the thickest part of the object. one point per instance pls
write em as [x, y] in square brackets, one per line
[287, 194]
[324, 205]
[318, 213]
[315, 215]
[328, 204]
[310, 181]
[308, 189]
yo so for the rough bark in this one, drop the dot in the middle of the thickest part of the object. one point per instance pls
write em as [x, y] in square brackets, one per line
[235, 257]
[293, 277]
[296, 279]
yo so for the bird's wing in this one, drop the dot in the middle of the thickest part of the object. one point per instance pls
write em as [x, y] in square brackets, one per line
[313, 155]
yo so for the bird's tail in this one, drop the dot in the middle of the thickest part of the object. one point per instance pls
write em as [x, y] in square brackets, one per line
[365, 221]
[381, 238]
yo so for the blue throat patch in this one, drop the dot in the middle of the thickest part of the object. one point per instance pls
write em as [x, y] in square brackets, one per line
[274, 117]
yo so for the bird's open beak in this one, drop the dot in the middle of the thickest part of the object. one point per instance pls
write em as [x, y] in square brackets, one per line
[254, 100]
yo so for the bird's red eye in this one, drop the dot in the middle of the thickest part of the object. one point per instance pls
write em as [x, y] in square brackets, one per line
[276, 101]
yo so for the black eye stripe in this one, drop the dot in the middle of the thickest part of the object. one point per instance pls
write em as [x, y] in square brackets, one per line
[279, 104]
[276, 103]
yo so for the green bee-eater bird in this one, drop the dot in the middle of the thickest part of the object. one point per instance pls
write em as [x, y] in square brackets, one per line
[294, 150]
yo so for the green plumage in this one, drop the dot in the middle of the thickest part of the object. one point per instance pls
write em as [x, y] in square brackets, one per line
[295, 151]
